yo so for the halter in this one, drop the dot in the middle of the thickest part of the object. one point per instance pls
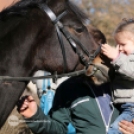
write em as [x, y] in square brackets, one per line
[72, 41]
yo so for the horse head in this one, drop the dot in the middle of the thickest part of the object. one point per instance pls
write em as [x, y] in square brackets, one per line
[72, 23]
[29, 42]
[101, 68]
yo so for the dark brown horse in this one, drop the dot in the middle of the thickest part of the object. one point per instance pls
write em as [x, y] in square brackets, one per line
[103, 69]
[29, 42]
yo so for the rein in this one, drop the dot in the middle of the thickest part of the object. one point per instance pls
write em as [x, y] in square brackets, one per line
[55, 76]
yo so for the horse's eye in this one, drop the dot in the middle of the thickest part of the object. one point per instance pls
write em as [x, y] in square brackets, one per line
[78, 29]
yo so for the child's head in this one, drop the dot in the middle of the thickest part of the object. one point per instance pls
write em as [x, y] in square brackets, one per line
[124, 36]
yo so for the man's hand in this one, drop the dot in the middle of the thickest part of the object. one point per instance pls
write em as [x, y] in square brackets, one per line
[126, 127]
[109, 51]
[27, 106]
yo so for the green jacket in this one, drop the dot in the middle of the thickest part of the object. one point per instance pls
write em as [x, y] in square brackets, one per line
[74, 102]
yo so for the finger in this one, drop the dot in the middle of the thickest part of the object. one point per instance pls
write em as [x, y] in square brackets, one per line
[21, 102]
[104, 50]
[24, 106]
[105, 53]
[127, 127]
[126, 123]
[23, 110]
[30, 99]
[123, 131]
[106, 45]
[126, 130]
[123, 124]
[103, 46]
[26, 102]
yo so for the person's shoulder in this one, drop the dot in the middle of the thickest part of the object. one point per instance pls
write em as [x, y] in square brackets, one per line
[71, 89]
[130, 57]
[71, 84]
[73, 81]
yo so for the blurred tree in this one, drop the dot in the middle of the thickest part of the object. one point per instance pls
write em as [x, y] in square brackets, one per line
[106, 14]
[103, 14]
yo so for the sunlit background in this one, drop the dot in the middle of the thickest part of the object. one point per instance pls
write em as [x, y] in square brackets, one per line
[103, 14]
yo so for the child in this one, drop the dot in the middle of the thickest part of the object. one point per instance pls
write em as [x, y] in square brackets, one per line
[123, 61]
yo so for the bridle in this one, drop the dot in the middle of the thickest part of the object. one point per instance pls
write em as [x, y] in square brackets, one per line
[60, 29]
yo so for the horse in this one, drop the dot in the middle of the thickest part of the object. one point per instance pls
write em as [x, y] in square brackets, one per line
[97, 34]
[99, 37]
[103, 70]
[29, 42]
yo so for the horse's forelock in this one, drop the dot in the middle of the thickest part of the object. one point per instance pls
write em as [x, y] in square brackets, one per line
[79, 13]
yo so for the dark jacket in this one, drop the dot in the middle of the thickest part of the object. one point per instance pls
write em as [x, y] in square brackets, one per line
[74, 102]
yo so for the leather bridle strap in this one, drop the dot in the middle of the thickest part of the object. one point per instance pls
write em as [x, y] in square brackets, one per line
[72, 40]
[55, 76]
[62, 48]
[54, 20]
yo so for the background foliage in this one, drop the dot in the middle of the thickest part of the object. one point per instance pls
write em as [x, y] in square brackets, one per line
[106, 14]
[103, 14]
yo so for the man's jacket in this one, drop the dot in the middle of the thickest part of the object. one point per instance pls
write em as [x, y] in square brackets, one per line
[76, 102]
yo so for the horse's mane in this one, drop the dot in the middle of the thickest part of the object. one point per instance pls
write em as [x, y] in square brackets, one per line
[19, 8]
[23, 6]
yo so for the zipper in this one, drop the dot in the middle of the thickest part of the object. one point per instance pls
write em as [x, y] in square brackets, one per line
[111, 104]
[84, 100]
[106, 126]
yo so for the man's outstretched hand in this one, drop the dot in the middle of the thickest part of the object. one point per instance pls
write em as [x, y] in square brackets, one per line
[27, 106]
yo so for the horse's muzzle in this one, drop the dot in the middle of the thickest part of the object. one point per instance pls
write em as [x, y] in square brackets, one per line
[99, 73]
